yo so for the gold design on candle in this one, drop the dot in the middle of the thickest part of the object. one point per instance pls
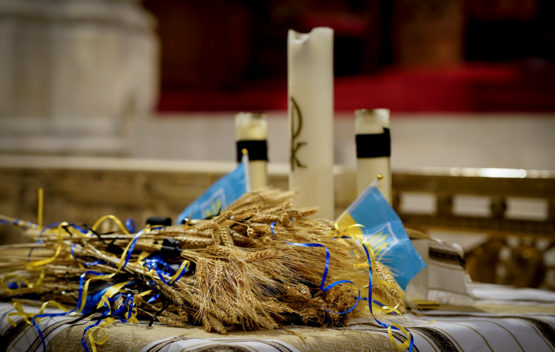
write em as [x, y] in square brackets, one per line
[296, 112]
[379, 177]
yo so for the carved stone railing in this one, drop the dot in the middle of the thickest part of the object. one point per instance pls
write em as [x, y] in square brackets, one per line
[81, 190]
[516, 249]
[496, 184]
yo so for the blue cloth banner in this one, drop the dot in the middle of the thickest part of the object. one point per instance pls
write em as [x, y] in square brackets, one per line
[386, 234]
[221, 194]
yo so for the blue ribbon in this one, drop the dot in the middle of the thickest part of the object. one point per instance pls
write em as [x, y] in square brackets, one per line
[370, 284]
[39, 241]
[79, 261]
[83, 230]
[38, 316]
[131, 248]
[150, 263]
[81, 284]
[322, 283]
[153, 298]
[83, 342]
[131, 226]
[369, 299]
[129, 297]
[18, 222]
[128, 301]
[153, 264]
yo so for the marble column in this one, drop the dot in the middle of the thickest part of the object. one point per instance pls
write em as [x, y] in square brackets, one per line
[74, 75]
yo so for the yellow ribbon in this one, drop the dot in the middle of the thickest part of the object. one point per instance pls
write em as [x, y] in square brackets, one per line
[142, 256]
[104, 301]
[339, 232]
[109, 293]
[68, 227]
[111, 217]
[26, 316]
[59, 241]
[103, 277]
[403, 346]
[91, 331]
[150, 272]
[29, 285]
[183, 266]
[107, 321]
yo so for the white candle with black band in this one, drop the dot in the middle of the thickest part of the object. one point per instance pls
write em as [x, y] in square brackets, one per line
[310, 89]
[373, 143]
[251, 130]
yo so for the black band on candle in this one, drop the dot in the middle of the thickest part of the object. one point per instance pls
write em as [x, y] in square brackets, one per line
[258, 150]
[374, 145]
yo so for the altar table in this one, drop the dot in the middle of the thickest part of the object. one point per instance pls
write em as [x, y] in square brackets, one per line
[503, 319]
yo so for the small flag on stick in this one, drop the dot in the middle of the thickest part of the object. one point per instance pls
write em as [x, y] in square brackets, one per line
[221, 194]
[386, 234]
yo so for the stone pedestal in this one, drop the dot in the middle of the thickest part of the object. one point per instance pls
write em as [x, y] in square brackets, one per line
[74, 74]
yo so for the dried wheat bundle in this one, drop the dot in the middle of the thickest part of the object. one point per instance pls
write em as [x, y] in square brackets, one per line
[250, 268]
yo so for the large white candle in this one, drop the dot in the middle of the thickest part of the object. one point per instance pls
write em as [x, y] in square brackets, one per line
[310, 87]
[251, 130]
[373, 150]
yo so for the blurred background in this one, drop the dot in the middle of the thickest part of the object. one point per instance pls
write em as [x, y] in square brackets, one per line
[408, 55]
[110, 104]
[163, 79]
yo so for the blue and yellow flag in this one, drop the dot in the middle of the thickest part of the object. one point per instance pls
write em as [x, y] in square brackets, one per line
[386, 234]
[221, 194]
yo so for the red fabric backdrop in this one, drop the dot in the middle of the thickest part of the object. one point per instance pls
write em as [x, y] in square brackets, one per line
[477, 87]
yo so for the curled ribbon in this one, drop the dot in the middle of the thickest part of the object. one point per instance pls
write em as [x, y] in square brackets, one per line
[16, 222]
[98, 326]
[20, 312]
[371, 259]
[69, 229]
[81, 263]
[409, 343]
[72, 229]
[129, 315]
[35, 317]
[152, 266]
[131, 226]
[21, 279]
[324, 288]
